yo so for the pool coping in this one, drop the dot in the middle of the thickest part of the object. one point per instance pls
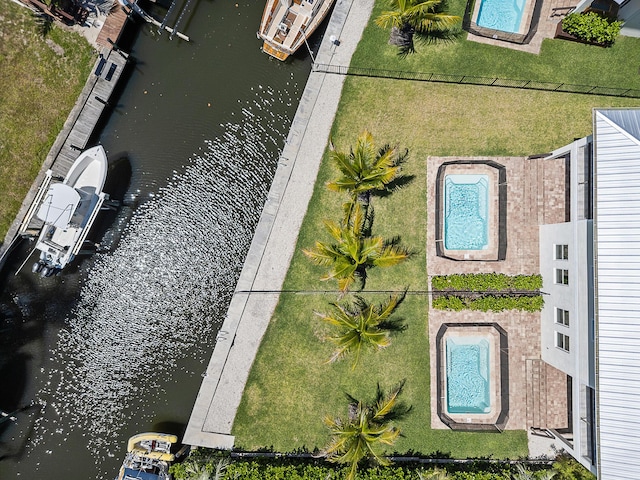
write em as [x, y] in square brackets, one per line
[528, 23]
[497, 221]
[495, 421]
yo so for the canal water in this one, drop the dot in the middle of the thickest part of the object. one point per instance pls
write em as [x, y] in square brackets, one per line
[118, 344]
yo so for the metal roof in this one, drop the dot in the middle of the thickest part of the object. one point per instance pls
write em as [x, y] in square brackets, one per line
[617, 247]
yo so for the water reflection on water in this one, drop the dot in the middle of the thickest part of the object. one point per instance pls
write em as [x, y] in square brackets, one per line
[160, 293]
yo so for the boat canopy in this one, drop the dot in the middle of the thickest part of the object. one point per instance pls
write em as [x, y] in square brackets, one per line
[59, 205]
[130, 474]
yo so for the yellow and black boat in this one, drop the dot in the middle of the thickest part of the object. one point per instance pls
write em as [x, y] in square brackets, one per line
[148, 457]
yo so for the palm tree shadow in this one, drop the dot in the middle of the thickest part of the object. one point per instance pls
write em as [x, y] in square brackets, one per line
[439, 37]
[397, 184]
[432, 37]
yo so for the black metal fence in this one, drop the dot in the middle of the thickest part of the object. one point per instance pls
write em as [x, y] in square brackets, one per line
[477, 80]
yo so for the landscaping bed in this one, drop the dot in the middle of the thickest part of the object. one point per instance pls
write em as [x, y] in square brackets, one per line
[487, 292]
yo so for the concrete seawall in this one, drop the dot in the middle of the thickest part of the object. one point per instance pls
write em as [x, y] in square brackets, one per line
[276, 235]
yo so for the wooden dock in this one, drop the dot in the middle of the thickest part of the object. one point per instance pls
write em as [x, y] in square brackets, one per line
[83, 118]
[113, 26]
[78, 130]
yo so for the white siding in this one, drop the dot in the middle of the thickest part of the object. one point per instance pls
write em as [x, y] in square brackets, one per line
[617, 249]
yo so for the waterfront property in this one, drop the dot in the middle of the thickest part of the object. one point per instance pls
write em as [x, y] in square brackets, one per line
[572, 216]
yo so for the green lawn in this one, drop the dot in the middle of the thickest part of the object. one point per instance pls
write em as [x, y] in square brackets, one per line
[291, 388]
[559, 60]
[40, 80]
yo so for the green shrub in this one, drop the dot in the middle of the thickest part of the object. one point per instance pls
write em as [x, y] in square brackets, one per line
[591, 27]
[487, 282]
[487, 303]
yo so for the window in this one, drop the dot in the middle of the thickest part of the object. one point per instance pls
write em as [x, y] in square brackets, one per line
[562, 276]
[562, 317]
[562, 252]
[562, 341]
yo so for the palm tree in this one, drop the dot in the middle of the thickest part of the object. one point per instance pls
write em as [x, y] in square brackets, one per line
[353, 252]
[362, 325]
[365, 168]
[408, 17]
[365, 430]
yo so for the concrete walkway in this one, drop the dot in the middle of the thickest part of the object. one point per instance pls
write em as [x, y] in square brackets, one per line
[276, 235]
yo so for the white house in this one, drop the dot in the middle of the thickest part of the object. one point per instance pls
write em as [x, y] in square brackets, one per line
[591, 271]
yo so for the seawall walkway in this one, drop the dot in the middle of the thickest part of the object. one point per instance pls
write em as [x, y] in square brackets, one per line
[275, 239]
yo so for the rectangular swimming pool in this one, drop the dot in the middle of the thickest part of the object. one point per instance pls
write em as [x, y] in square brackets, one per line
[466, 211]
[504, 15]
[468, 375]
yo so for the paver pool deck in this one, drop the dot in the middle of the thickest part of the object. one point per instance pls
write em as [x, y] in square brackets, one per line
[274, 241]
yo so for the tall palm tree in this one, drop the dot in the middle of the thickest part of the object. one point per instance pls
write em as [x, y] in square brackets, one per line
[408, 17]
[353, 252]
[361, 325]
[365, 168]
[366, 430]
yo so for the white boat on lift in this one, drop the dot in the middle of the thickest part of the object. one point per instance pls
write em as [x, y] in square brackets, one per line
[287, 24]
[148, 457]
[68, 210]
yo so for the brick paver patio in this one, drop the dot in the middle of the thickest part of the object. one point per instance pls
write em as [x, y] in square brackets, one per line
[535, 195]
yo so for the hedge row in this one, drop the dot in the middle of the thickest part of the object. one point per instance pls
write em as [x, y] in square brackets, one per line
[277, 469]
[487, 282]
[254, 471]
[203, 463]
[488, 303]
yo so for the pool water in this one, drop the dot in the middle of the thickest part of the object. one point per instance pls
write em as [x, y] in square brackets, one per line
[468, 375]
[504, 15]
[466, 212]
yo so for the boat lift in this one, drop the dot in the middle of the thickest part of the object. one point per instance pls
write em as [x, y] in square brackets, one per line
[133, 5]
[30, 228]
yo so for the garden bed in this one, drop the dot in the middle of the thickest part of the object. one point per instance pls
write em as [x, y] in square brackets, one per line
[562, 35]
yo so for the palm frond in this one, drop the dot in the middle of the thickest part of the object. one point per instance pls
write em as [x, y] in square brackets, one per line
[391, 255]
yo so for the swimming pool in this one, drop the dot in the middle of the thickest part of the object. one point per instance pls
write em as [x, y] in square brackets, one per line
[468, 380]
[504, 15]
[466, 212]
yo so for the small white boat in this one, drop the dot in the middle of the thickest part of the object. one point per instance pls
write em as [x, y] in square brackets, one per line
[68, 210]
[287, 24]
[148, 457]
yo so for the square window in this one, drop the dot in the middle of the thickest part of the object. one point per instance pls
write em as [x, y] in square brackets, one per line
[562, 276]
[562, 317]
[562, 341]
[562, 252]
